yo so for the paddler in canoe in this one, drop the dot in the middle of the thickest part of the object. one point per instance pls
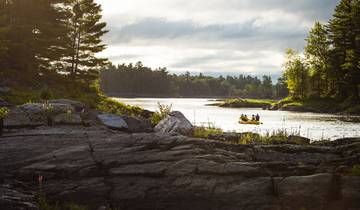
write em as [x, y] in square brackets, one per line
[255, 120]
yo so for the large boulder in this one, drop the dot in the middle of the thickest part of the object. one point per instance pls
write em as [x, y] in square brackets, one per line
[175, 122]
[18, 118]
[32, 114]
[126, 123]
[113, 121]
[37, 108]
[138, 124]
[68, 119]
[298, 140]
[78, 106]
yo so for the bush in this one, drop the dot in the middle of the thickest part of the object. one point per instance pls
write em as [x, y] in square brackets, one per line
[3, 112]
[162, 112]
[111, 106]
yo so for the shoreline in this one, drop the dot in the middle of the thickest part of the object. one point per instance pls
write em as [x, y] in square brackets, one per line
[315, 106]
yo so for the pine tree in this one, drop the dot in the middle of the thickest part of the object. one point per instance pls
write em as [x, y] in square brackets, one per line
[35, 38]
[344, 31]
[85, 32]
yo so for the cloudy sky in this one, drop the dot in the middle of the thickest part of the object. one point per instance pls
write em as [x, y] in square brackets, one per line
[210, 36]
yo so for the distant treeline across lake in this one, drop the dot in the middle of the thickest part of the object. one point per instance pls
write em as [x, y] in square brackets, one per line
[138, 80]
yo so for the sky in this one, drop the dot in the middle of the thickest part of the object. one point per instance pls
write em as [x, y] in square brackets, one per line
[210, 36]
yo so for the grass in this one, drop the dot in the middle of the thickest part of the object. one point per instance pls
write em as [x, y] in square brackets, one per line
[162, 112]
[246, 103]
[109, 105]
[205, 132]
[274, 137]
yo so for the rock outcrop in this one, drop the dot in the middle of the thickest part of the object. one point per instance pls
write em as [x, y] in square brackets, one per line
[32, 114]
[126, 123]
[113, 121]
[95, 166]
[176, 122]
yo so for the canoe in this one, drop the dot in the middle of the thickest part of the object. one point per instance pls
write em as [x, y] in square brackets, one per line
[250, 122]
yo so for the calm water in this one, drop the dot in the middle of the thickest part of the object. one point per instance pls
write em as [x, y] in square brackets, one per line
[311, 125]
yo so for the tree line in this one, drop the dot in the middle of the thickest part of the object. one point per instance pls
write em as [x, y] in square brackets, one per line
[44, 42]
[138, 80]
[330, 67]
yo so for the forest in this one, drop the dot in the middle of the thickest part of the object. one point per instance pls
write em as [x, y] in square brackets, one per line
[330, 67]
[51, 44]
[138, 80]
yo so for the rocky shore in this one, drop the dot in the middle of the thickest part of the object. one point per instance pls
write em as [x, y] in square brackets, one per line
[101, 166]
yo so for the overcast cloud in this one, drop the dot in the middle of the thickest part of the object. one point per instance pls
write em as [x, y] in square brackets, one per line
[210, 36]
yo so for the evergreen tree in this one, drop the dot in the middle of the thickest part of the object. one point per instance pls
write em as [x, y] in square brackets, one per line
[344, 29]
[85, 32]
[34, 35]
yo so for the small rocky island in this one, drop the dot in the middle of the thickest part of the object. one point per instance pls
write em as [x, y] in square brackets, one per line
[104, 161]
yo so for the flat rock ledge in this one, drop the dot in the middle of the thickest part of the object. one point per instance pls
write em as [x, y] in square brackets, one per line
[96, 166]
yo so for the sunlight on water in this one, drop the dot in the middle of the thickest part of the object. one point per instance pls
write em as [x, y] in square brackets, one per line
[311, 125]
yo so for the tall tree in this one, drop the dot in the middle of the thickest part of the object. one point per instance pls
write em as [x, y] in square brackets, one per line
[317, 56]
[34, 30]
[296, 74]
[85, 32]
[344, 30]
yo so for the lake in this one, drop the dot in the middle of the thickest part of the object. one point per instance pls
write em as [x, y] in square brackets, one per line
[312, 125]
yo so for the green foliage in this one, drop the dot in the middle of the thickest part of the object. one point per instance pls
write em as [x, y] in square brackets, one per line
[162, 112]
[332, 56]
[45, 42]
[112, 106]
[204, 132]
[246, 103]
[3, 112]
[274, 137]
[296, 74]
[85, 31]
[355, 171]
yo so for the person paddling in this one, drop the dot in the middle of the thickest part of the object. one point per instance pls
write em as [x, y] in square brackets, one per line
[246, 118]
[257, 117]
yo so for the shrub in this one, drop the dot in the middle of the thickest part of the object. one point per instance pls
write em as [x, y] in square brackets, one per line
[162, 112]
[3, 112]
